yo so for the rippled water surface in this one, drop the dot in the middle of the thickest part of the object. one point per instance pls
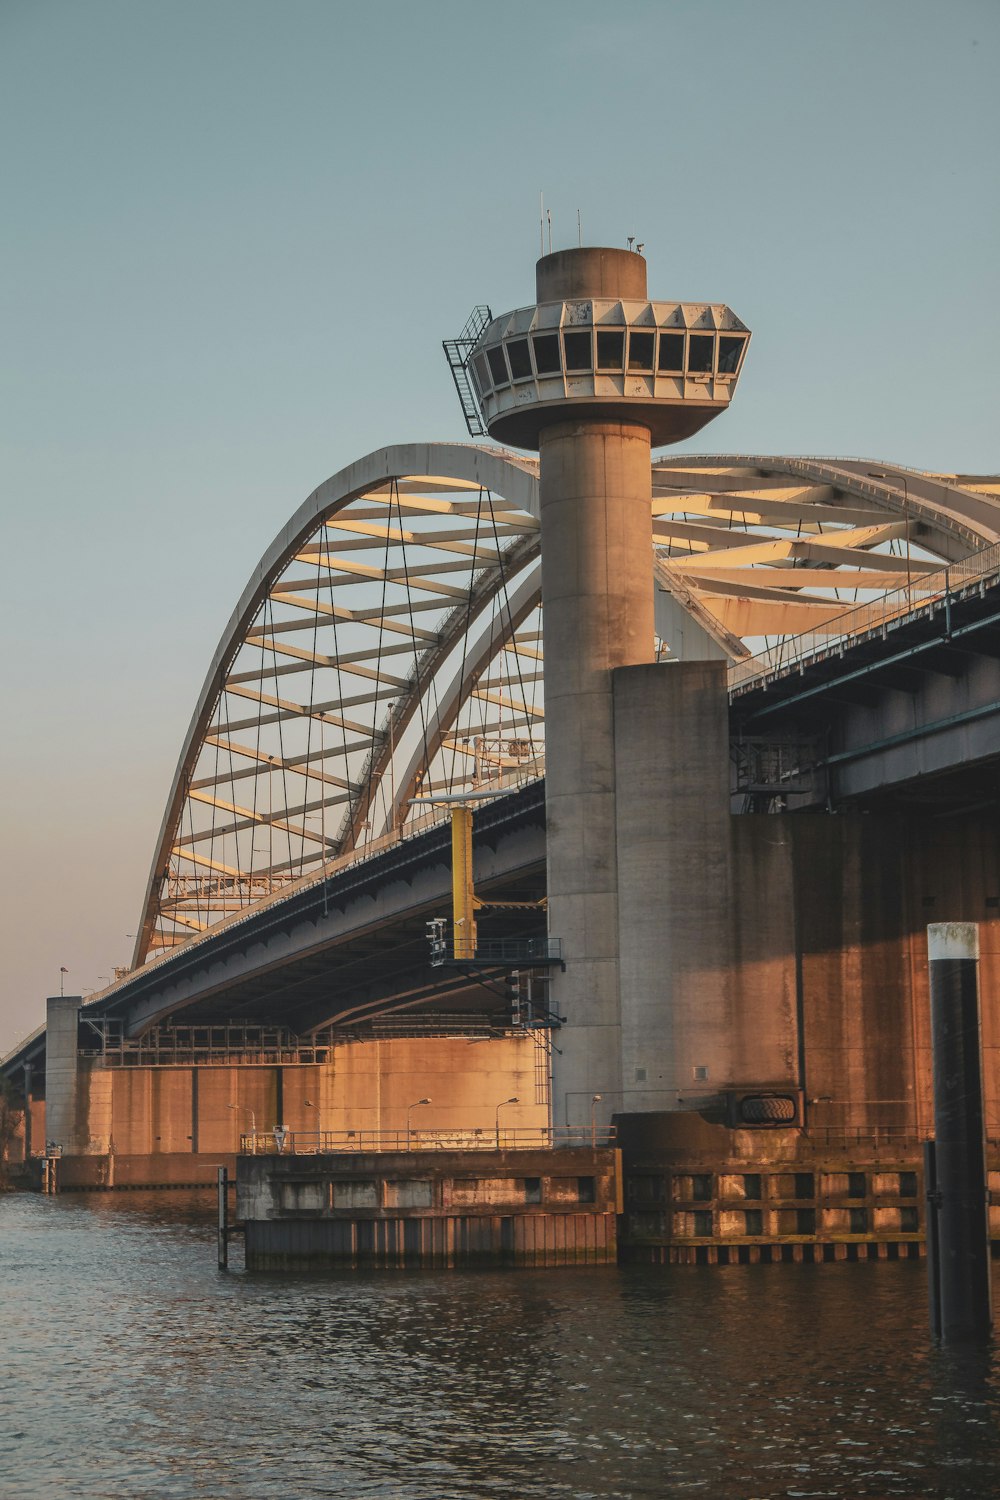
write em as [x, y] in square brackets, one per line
[133, 1368]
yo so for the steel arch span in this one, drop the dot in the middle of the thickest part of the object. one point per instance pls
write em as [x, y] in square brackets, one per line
[388, 646]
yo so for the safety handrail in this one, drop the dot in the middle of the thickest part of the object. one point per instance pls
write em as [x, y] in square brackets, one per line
[485, 1138]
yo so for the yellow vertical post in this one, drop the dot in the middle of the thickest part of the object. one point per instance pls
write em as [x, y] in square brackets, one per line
[463, 896]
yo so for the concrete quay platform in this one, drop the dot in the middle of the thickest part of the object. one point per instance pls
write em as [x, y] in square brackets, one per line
[546, 1207]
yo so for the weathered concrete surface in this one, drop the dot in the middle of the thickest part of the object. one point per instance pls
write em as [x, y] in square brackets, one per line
[696, 1192]
[66, 1114]
[595, 502]
[166, 1125]
[765, 1036]
[590, 271]
[675, 896]
[429, 1207]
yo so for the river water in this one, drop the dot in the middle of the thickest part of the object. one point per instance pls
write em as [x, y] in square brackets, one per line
[132, 1368]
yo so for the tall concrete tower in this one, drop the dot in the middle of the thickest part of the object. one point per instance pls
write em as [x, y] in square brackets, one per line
[591, 377]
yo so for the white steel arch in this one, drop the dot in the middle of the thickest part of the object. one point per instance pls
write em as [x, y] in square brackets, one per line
[389, 641]
[395, 575]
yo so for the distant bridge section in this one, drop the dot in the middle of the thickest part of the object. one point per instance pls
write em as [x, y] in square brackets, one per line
[902, 705]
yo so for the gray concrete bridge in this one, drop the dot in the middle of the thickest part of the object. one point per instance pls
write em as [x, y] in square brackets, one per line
[389, 653]
[903, 714]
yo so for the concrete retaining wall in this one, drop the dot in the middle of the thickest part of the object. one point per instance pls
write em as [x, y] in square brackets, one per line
[537, 1208]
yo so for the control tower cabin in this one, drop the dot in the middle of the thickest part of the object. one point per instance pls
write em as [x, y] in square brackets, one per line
[592, 376]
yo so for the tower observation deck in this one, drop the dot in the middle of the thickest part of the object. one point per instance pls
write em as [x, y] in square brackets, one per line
[592, 376]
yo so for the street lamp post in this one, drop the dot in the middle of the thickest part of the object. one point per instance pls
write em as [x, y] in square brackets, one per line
[513, 1100]
[892, 478]
[253, 1123]
[594, 1102]
[409, 1109]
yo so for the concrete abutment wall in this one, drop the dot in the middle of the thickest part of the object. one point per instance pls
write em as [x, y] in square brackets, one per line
[173, 1124]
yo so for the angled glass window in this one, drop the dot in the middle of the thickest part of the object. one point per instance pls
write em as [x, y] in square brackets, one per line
[519, 359]
[482, 373]
[578, 350]
[730, 349]
[640, 350]
[701, 353]
[546, 346]
[610, 350]
[671, 358]
[498, 368]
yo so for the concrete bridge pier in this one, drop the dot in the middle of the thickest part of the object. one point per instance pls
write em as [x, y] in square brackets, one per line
[595, 501]
[63, 1103]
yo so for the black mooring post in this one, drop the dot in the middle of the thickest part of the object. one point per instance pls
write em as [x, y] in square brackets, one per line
[959, 1156]
[931, 1237]
[223, 1191]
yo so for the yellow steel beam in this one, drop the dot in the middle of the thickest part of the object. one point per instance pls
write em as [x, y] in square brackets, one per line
[463, 895]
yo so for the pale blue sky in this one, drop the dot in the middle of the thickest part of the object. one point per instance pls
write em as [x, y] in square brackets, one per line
[235, 232]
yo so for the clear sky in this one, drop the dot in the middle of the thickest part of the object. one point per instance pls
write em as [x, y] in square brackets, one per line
[234, 233]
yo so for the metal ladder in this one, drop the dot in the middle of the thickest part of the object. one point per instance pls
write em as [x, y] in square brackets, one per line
[457, 353]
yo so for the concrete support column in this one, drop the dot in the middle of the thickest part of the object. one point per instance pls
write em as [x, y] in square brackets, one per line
[595, 495]
[28, 1092]
[674, 883]
[62, 1102]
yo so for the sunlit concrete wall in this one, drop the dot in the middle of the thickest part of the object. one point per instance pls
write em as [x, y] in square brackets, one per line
[367, 1086]
[675, 896]
[865, 889]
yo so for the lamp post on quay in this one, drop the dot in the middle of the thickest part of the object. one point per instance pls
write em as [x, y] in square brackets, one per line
[253, 1123]
[409, 1110]
[513, 1100]
[594, 1102]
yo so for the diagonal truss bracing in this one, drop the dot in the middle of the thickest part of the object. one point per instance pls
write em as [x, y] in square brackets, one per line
[377, 645]
[390, 641]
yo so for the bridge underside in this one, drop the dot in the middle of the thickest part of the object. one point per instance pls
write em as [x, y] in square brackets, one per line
[380, 970]
[348, 950]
